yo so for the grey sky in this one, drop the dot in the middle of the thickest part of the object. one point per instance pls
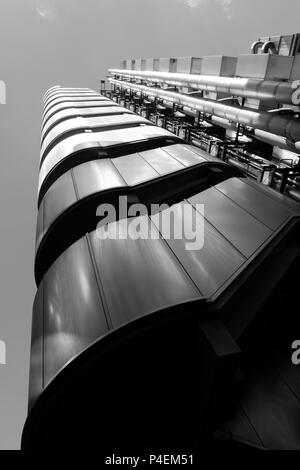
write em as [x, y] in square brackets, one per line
[72, 43]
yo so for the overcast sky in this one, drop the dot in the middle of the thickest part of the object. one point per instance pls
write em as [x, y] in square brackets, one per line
[73, 43]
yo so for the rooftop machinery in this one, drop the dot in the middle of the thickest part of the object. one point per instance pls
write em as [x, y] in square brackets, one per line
[245, 110]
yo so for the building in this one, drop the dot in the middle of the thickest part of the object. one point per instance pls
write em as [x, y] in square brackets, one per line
[141, 342]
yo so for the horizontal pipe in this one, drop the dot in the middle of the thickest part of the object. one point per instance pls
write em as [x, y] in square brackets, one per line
[270, 122]
[264, 90]
[263, 136]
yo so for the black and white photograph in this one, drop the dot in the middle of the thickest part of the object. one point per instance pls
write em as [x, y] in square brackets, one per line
[150, 229]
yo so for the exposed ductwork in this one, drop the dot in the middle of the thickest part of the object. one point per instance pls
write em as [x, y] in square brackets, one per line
[284, 126]
[255, 47]
[269, 48]
[263, 90]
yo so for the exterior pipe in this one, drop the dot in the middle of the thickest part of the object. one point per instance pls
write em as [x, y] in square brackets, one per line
[283, 126]
[263, 90]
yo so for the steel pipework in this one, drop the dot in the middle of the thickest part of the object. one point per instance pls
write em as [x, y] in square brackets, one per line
[264, 90]
[270, 122]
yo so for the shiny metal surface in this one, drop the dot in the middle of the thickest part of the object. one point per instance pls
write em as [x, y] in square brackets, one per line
[281, 92]
[71, 104]
[68, 91]
[99, 140]
[96, 176]
[161, 161]
[134, 169]
[100, 122]
[60, 89]
[241, 229]
[36, 381]
[281, 125]
[71, 113]
[73, 311]
[75, 99]
[184, 155]
[67, 96]
[210, 266]
[59, 197]
[265, 209]
[139, 276]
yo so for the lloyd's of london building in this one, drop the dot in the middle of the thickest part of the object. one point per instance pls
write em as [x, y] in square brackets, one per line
[141, 342]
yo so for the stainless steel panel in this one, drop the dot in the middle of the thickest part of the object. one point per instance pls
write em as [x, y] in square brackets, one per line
[37, 343]
[82, 112]
[245, 232]
[134, 169]
[95, 176]
[40, 225]
[59, 89]
[66, 95]
[59, 197]
[253, 201]
[74, 315]
[264, 66]
[65, 148]
[184, 155]
[210, 266]
[219, 65]
[90, 123]
[206, 156]
[78, 99]
[72, 104]
[97, 139]
[139, 276]
[162, 162]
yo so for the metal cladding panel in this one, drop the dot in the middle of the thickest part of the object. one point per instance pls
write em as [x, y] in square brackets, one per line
[95, 176]
[206, 255]
[264, 66]
[73, 310]
[265, 209]
[72, 104]
[40, 225]
[189, 65]
[59, 197]
[295, 72]
[222, 66]
[82, 112]
[67, 96]
[204, 155]
[65, 148]
[184, 155]
[134, 169]
[168, 65]
[103, 139]
[240, 228]
[162, 162]
[63, 90]
[36, 381]
[73, 99]
[142, 274]
[90, 123]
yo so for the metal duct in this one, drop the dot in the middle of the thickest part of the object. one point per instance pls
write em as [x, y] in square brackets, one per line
[284, 126]
[255, 46]
[263, 90]
[269, 47]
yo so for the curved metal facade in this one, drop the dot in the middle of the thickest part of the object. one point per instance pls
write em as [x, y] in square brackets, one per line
[116, 322]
